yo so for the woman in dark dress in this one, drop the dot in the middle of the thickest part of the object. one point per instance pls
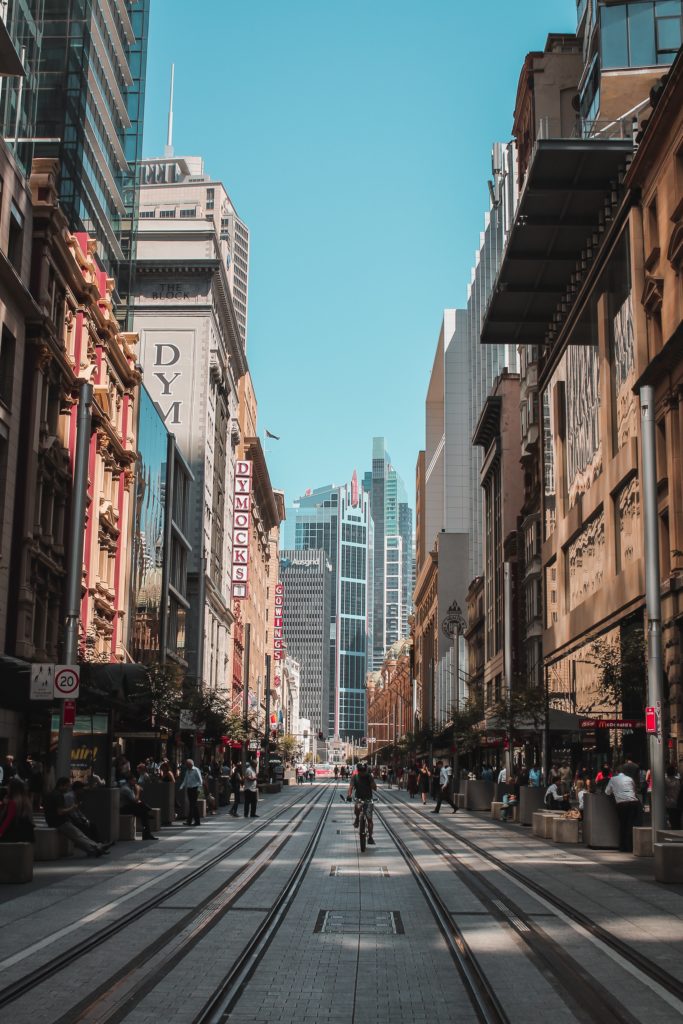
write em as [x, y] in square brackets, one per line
[423, 779]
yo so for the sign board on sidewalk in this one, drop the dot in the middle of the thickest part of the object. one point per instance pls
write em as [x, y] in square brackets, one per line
[67, 681]
[42, 682]
[651, 720]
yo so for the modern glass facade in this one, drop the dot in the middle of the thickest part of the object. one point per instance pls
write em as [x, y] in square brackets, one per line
[337, 520]
[90, 105]
[18, 96]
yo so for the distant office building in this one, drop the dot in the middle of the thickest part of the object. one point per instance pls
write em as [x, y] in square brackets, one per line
[21, 35]
[90, 108]
[337, 520]
[392, 569]
[307, 579]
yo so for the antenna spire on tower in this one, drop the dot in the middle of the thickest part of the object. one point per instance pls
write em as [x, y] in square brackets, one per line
[168, 151]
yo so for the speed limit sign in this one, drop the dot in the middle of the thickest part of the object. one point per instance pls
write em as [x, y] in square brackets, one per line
[67, 681]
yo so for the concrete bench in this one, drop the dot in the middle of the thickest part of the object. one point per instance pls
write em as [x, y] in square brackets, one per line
[669, 863]
[530, 800]
[669, 835]
[543, 823]
[459, 800]
[565, 830]
[127, 828]
[16, 863]
[642, 841]
[496, 806]
[50, 844]
[154, 820]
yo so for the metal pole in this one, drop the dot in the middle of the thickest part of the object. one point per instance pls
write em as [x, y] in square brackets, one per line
[74, 572]
[653, 602]
[507, 658]
[266, 753]
[456, 667]
[245, 697]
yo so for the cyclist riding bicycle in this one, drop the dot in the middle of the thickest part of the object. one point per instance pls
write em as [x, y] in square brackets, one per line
[361, 788]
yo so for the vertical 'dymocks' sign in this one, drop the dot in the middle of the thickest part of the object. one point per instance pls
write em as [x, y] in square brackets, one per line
[241, 523]
[278, 636]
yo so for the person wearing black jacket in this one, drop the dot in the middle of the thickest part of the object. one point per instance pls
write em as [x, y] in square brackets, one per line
[235, 782]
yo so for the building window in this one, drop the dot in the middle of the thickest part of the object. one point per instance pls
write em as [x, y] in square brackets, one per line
[189, 212]
[7, 346]
[166, 214]
[210, 198]
[15, 245]
[640, 34]
[147, 214]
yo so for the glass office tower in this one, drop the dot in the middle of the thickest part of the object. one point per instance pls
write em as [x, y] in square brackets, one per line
[336, 519]
[91, 97]
[23, 24]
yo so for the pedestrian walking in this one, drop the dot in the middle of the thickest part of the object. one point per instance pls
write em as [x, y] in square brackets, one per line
[622, 787]
[423, 782]
[235, 785]
[192, 780]
[250, 790]
[442, 788]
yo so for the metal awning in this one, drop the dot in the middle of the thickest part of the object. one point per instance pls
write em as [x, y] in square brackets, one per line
[558, 210]
[10, 63]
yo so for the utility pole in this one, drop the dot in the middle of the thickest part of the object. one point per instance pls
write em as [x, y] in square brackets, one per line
[653, 603]
[245, 695]
[507, 660]
[452, 626]
[74, 572]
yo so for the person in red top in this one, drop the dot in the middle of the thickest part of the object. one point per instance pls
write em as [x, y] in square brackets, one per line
[603, 777]
[16, 816]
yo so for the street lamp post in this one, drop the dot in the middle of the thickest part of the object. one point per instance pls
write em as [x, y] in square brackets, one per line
[453, 626]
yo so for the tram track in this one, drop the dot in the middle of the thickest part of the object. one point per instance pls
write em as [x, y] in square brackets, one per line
[600, 1004]
[481, 993]
[68, 957]
[127, 988]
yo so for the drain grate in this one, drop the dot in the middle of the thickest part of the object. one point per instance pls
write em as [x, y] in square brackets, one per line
[384, 871]
[364, 922]
[335, 870]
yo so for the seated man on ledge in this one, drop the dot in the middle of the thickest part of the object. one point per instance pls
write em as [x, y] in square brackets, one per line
[131, 803]
[62, 815]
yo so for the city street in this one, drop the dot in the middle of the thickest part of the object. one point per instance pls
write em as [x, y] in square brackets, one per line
[283, 919]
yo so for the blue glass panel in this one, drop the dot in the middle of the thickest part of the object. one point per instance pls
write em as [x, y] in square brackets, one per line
[614, 36]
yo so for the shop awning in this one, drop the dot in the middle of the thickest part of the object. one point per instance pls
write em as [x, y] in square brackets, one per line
[558, 211]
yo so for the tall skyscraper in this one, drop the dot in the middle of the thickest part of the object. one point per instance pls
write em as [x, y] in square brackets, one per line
[307, 580]
[21, 29]
[392, 552]
[90, 107]
[337, 519]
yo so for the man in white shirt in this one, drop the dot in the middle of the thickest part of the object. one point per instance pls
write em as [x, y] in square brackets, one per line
[250, 790]
[192, 780]
[442, 788]
[623, 789]
[503, 775]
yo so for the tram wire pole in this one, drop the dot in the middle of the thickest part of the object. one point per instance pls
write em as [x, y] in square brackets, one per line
[245, 695]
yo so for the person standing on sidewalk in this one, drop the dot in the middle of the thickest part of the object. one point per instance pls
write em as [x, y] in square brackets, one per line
[423, 778]
[192, 780]
[250, 790]
[622, 787]
[442, 788]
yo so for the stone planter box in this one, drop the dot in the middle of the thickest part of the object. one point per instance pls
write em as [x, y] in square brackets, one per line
[126, 828]
[669, 863]
[496, 806]
[642, 841]
[500, 789]
[600, 822]
[101, 806]
[669, 835]
[530, 800]
[50, 844]
[16, 863]
[154, 821]
[478, 795]
[543, 823]
[162, 795]
[566, 830]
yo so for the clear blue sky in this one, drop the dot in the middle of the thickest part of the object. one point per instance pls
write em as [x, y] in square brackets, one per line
[354, 139]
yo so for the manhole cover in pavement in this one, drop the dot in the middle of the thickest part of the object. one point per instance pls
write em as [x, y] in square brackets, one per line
[364, 922]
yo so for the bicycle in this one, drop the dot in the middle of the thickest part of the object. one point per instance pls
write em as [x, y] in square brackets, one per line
[363, 818]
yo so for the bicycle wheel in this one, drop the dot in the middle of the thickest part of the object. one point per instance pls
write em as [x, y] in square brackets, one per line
[362, 834]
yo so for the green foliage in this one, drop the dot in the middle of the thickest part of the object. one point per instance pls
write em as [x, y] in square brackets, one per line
[287, 747]
[160, 690]
[212, 711]
[463, 731]
[521, 707]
